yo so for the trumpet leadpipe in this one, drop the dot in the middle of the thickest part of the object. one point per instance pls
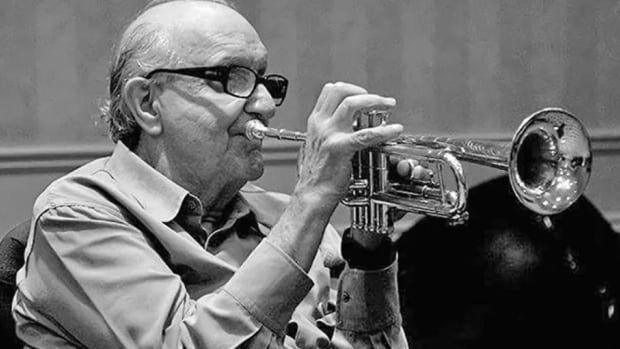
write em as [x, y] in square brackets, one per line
[254, 129]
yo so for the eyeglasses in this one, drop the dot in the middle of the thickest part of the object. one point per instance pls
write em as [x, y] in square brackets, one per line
[238, 81]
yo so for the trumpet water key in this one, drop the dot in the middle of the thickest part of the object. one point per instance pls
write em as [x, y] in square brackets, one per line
[548, 162]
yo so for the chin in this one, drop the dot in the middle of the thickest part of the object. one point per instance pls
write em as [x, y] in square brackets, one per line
[244, 167]
[255, 167]
[256, 172]
[255, 176]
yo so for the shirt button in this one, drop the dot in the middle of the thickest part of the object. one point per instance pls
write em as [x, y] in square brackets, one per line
[193, 207]
[346, 297]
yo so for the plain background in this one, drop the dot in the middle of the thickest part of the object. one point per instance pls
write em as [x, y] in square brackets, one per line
[472, 68]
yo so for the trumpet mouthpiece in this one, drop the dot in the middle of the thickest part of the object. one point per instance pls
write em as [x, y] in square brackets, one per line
[254, 129]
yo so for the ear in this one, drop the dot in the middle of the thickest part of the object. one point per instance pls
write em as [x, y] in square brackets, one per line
[139, 99]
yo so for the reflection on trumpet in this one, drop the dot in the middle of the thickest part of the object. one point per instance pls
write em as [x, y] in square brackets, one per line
[548, 161]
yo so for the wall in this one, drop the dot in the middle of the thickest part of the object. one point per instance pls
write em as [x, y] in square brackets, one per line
[473, 68]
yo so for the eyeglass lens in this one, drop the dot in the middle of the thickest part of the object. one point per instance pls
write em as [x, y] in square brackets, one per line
[241, 82]
[276, 85]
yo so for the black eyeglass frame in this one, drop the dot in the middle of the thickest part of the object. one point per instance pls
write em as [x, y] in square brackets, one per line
[221, 75]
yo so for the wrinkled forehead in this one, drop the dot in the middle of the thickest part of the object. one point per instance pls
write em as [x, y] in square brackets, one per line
[205, 34]
[222, 49]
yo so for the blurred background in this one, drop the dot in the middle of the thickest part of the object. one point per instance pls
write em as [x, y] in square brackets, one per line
[472, 68]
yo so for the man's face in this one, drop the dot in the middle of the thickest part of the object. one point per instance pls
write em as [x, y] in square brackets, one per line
[203, 127]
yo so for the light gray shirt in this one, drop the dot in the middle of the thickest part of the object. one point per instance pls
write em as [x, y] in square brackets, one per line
[118, 257]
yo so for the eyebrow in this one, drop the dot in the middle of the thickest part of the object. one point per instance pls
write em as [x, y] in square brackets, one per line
[260, 63]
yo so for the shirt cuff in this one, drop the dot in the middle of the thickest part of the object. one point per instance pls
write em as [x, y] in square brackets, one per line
[269, 285]
[368, 300]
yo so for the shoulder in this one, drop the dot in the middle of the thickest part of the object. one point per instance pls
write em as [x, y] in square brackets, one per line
[89, 186]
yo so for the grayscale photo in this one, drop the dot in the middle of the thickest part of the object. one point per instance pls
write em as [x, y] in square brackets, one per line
[298, 174]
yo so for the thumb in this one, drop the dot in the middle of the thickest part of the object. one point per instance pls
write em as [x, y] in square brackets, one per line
[368, 137]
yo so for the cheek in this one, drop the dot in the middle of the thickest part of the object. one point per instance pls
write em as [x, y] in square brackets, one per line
[228, 111]
[193, 133]
[194, 125]
[226, 102]
[205, 108]
[203, 123]
[219, 120]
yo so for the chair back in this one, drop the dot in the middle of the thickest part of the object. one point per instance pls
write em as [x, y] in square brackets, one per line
[12, 248]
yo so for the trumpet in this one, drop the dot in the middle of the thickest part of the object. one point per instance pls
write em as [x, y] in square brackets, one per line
[548, 161]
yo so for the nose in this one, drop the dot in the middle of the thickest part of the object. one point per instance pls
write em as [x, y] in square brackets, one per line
[261, 103]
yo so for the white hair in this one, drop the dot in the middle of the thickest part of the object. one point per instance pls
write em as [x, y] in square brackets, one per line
[141, 49]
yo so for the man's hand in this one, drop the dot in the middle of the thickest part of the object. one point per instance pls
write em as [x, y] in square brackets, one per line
[325, 164]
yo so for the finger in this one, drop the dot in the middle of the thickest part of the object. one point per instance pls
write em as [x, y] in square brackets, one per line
[395, 159]
[336, 94]
[405, 167]
[369, 137]
[343, 116]
[421, 173]
[300, 160]
[320, 101]
[311, 337]
[411, 169]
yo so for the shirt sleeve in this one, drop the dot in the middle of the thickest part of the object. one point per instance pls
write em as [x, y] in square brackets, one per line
[98, 282]
[361, 312]
[368, 310]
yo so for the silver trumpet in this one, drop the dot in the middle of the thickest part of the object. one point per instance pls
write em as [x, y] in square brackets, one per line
[549, 163]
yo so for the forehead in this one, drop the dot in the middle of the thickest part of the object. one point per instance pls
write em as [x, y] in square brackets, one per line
[223, 49]
[206, 33]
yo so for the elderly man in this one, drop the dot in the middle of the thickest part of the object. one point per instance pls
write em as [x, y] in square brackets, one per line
[163, 244]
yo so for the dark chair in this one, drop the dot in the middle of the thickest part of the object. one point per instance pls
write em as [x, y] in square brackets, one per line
[505, 280]
[11, 259]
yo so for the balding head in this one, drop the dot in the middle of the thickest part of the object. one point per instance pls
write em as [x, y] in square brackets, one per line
[170, 14]
[195, 28]
[154, 39]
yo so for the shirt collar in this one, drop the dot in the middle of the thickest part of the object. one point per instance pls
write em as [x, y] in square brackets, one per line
[164, 199]
[267, 206]
[157, 194]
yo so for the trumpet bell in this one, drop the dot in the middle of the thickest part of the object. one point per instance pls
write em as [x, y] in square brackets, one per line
[550, 161]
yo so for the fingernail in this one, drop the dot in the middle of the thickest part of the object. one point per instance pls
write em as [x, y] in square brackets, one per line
[418, 172]
[404, 168]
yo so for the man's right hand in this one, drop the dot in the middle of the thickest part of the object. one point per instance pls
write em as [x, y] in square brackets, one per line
[325, 164]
